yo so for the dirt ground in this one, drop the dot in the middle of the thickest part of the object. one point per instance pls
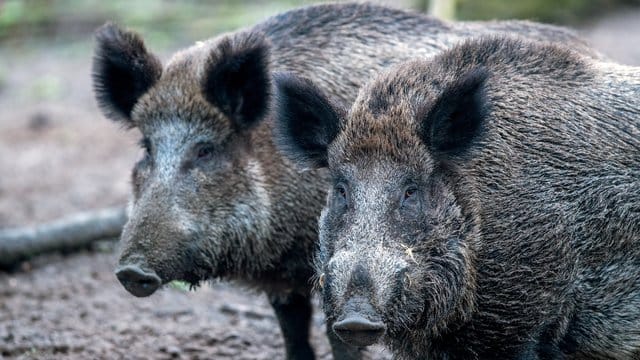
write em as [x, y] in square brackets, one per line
[58, 156]
[73, 308]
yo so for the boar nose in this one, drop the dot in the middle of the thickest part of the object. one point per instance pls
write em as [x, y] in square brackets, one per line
[138, 282]
[360, 325]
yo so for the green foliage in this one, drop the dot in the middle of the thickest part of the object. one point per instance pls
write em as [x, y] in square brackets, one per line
[553, 11]
[48, 87]
[19, 13]
[167, 23]
[179, 285]
[163, 22]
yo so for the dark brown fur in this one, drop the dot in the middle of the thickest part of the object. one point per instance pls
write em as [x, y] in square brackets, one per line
[493, 202]
[212, 199]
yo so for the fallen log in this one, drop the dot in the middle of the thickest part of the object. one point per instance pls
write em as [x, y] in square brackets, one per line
[66, 235]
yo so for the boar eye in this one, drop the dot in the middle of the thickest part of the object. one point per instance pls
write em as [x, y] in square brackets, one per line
[205, 152]
[410, 197]
[340, 192]
[409, 192]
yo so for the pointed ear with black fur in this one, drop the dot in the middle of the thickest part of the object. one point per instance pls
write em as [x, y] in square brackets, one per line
[306, 121]
[123, 70]
[237, 79]
[456, 120]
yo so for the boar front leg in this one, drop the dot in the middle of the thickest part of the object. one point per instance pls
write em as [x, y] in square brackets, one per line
[294, 315]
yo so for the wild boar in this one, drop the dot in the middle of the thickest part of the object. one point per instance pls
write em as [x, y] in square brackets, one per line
[211, 197]
[484, 204]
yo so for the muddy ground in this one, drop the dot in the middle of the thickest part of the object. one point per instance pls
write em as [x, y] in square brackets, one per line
[58, 156]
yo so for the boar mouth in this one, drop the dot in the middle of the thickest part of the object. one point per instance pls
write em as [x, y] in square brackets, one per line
[196, 271]
[193, 278]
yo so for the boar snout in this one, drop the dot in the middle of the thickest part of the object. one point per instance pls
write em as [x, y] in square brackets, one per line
[360, 325]
[138, 282]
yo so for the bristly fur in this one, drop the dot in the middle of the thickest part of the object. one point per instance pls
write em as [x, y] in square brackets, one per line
[524, 161]
[123, 71]
[213, 198]
[237, 78]
[310, 120]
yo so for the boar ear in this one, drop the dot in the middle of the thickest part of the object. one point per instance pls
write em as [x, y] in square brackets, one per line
[237, 78]
[306, 122]
[123, 71]
[456, 119]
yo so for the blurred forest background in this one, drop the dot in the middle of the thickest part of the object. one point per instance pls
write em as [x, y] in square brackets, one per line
[171, 22]
[57, 153]
[60, 156]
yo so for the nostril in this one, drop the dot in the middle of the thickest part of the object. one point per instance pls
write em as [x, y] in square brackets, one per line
[137, 281]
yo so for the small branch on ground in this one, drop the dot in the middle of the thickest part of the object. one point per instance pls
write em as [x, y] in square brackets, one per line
[66, 235]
